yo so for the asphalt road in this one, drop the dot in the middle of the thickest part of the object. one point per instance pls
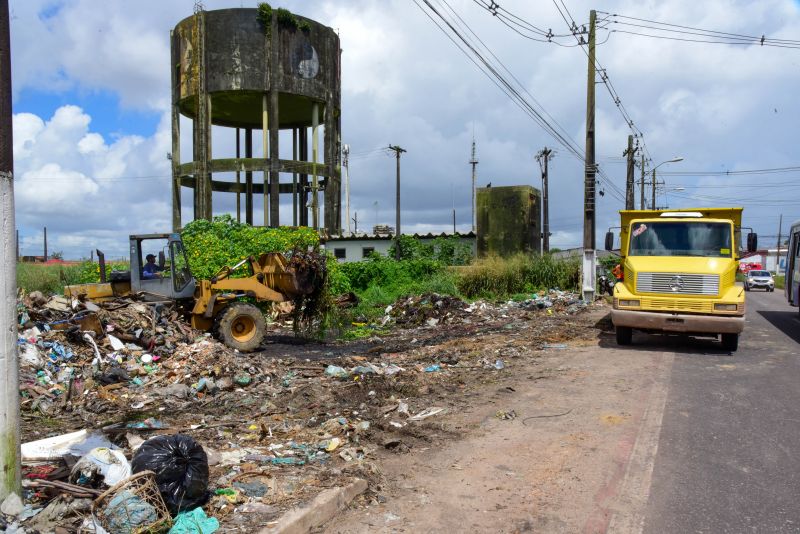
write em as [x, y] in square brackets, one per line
[728, 457]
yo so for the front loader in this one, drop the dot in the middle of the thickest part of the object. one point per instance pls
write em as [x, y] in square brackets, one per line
[213, 305]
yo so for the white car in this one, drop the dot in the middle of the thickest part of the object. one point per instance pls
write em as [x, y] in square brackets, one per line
[759, 279]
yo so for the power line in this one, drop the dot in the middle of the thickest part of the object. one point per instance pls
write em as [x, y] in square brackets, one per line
[489, 69]
[710, 36]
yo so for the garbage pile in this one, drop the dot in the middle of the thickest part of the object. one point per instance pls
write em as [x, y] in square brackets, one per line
[71, 351]
[562, 301]
[131, 420]
[428, 309]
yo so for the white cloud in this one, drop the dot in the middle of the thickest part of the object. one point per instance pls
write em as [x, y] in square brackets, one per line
[720, 107]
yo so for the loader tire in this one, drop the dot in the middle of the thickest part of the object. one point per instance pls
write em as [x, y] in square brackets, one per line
[242, 326]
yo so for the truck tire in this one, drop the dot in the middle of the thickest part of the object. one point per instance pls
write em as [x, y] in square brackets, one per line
[624, 335]
[730, 342]
[242, 326]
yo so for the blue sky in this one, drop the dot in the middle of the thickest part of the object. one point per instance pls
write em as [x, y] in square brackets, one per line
[91, 97]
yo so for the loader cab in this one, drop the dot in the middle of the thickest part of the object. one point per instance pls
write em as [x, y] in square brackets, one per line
[171, 278]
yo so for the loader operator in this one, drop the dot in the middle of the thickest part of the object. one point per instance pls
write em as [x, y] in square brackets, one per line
[151, 270]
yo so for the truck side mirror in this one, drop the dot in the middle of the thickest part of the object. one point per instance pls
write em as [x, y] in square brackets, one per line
[161, 259]
[752, 242]
[609, 240]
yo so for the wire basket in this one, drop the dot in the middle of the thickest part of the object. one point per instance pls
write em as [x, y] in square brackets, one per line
[133, 506]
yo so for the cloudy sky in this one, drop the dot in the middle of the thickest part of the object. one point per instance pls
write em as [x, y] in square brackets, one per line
[91, 110]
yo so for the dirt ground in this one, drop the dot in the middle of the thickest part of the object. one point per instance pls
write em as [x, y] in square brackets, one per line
[482, 417]
[559, 465]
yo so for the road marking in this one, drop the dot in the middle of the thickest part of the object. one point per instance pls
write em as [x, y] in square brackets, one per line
[629, 512]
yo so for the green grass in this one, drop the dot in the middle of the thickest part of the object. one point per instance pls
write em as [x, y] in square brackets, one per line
[49, 279]
[779, 281]
[499, 278]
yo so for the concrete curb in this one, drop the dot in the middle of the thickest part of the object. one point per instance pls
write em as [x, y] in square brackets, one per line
[327, 504]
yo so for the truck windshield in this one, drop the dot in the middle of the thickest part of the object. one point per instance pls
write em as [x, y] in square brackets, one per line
[673, 238]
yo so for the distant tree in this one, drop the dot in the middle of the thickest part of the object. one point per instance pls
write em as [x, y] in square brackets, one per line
[57, 255]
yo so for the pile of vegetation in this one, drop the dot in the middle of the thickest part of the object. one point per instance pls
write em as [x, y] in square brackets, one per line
[212, 245]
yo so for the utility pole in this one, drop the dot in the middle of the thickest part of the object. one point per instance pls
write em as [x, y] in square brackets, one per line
[588, 270]
[778, 251]
[629, 179]
[346, 162]
[45, 243]
[355, 222]
[641, 187]
[543, 157]
[474, 162]
[397, 151]
[9, 386]
[653, 204]
[17, 246]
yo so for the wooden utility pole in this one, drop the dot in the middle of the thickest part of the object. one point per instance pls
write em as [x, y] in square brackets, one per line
[397, 151]
[653, 204]
[629, 179]
[641, 187]
[778, 252]
[9, 385]
[543, 157]
[45, 243]
[355, 223]
[588, 270]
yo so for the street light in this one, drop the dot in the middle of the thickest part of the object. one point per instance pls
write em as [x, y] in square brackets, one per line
[673, 160]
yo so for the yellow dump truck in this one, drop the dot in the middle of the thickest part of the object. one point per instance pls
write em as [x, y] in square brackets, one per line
[679, 273]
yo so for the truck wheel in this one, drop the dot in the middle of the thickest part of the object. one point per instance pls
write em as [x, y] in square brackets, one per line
[242, 326]
[730, 342]
[624, 335]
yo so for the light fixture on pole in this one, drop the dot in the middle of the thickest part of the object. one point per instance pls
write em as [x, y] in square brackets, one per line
[673, 160]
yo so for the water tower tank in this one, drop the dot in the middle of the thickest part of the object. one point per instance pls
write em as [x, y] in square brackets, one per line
[257, 72]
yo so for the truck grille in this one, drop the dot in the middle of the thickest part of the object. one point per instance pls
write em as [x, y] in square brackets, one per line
[678, 305]
[678, 283]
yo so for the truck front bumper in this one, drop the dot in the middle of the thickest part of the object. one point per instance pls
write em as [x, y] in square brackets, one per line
[675, 322]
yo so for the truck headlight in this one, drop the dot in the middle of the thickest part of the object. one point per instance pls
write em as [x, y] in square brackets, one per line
[726, 307]
[629, 303]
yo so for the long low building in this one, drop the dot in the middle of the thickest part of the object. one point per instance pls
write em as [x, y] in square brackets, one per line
[358, 247]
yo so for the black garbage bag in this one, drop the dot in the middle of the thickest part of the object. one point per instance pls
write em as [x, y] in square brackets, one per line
[181, 468]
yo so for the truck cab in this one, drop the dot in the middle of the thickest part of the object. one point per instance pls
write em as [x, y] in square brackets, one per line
[679, 274]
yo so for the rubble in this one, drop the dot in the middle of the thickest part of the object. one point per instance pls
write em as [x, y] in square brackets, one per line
[277, 427]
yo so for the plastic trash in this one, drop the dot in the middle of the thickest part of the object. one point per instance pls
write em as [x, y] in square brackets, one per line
[557, 346]
[103, 462]
[181, 468]
[127, 513]
[77, 443]
[364, 370]
[392, 369]
[336, 371]
[150, 423]
[427, 412]
[433, 368]
[30, 356]
[116, 344]
[194, 522]
[499, 364]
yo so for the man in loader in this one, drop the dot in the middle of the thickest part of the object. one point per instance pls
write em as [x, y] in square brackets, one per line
[151, 270]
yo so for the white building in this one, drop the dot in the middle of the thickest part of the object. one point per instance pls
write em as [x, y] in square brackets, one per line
[359, 247]
[768, 259]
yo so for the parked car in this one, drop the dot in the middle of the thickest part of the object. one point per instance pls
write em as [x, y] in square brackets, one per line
[759, 279]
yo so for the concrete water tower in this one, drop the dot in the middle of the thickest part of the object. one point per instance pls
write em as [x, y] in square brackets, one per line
[258, 71]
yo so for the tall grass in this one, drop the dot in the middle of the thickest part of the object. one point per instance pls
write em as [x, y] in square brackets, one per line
[498, 277]
[49, 279]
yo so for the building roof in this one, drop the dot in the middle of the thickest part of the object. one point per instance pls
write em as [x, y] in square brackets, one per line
[389, 237]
